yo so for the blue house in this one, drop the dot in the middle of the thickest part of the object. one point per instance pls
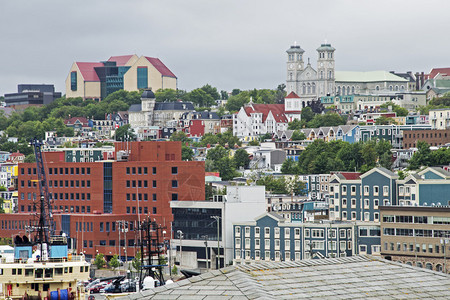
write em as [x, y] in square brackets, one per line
[270, 238]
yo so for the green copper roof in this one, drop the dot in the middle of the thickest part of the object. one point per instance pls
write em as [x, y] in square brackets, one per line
[324, 47]
[373, 76]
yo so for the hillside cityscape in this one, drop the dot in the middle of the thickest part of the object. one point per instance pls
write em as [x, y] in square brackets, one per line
[328, 167]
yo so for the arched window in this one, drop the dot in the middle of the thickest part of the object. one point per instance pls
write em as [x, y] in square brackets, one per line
[313, 88]
[439, 268]
[390, 87]
[377, 87]
[409, 263]
[338, 91]
[353, 90]
[330, 75]
[304, 88]
[396, 87]
[402, 87]
[429, 266]
[309, 88]
[419, 265]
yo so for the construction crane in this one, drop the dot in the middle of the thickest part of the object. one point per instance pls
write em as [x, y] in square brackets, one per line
[44, 227]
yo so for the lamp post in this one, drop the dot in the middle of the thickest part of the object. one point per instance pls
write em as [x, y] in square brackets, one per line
[206, 250]
[180, 236]
[217, 218]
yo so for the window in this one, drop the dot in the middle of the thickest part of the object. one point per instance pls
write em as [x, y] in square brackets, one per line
[267, 231]
[154, 183]
[344, 202]
[344, 190]
[353, 190]
[385, 190]
[353, 202]
[257, 229]
[366, 190]
[174, 196]
[174, 170]
[73, 80]
[353, 215]
[154, 170]
[174, 183]
[142, 77]
[375, 190]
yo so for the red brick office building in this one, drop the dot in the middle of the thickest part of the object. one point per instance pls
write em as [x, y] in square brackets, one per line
[88, 198]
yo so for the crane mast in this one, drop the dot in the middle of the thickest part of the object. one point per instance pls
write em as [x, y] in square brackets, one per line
[45, 224]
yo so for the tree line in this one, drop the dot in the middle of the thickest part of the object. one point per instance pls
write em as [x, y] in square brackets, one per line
[324, 157]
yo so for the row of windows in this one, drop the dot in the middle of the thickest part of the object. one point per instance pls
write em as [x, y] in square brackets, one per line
[144, 170]
[416, 219]
[376, 190]
[131, 243]
[425, 135]
[73, 209]
[376, 216]
[16, 225]
[64, 183]
[60, 171]
[144, 183]
[133, 210]
[415, 247]
[315, 233]
[416, 232]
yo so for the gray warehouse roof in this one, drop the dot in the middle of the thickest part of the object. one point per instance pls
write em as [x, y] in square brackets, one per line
[339, 278]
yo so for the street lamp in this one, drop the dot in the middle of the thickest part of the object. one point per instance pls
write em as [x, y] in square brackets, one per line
[206, 250]
[217, 218]
[180, 236]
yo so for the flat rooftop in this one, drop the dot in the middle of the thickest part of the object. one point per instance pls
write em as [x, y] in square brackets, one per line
[338, 278]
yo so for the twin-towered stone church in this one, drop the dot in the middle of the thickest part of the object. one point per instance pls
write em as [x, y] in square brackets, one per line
[310, 84]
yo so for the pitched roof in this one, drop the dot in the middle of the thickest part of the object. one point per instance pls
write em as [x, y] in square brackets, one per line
[135, 108]
[160, 67]
[174, 106]
[120, 60]
[292, 95]
[73, 120]
[348, 175]
[354, 277]
[276, 109]
[372, 76]
[87, 70]
[436, 71]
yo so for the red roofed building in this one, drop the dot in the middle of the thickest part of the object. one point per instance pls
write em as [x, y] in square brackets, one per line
[293, 106]
[96, 80]
[256, 119]
[439, 73]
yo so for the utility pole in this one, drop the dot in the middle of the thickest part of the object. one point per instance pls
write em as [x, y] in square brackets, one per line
[206, 250]
[180, 235]
[217, 218]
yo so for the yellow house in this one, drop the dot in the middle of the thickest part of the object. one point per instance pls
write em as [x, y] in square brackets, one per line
[96, 80]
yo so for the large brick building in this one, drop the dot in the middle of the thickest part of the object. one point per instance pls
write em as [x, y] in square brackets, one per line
[434, 137]
[88, 198]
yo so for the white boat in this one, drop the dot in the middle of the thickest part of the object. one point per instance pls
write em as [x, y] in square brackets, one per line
[54, 275]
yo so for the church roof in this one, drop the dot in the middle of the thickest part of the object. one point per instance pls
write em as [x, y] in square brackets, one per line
[325, 47]
[295, 49]
[276, 109]
[371, 76]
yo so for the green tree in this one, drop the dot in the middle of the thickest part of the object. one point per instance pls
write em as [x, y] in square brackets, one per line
[30, 158]
[169, 95]
[235, 102]
[298, 136]
[223, 95]
[180, 136]
[289, 167]
[99, 260]
[114, 262]
[400, 111]
[125, 132]
[307, 114]
[422, 157]
[385, 121]
[187, 153]
[226, 167]
[136, 262]
[200, 98]
[296, 125]
[326, 120]
[241, 158]
[212, 91]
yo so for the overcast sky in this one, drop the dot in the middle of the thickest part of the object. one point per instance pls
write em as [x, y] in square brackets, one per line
[228, 44]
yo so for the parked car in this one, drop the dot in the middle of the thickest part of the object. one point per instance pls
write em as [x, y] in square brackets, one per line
[96, 288]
